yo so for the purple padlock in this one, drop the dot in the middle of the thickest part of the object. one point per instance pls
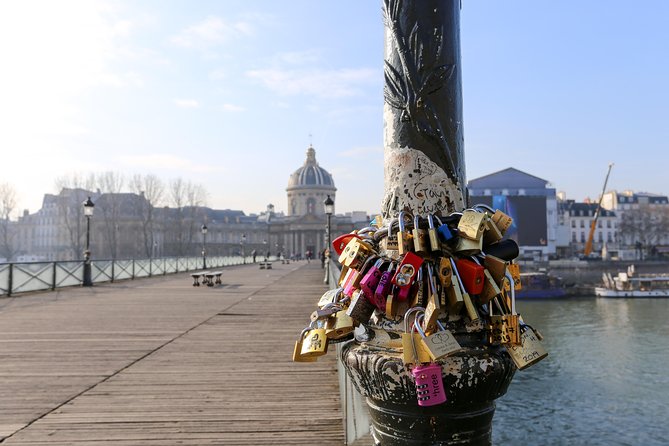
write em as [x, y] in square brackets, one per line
[429, 384]
[383, 289]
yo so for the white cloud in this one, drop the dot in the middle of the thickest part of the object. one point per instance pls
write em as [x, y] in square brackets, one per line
[187, 103]
[321, 83]
[164, 161]
[232, 108]
[212, 31]
[299, 57]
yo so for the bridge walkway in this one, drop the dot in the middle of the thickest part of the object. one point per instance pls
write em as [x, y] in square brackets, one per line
[160, 362]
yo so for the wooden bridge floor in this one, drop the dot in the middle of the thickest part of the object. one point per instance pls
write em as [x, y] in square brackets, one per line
[160, 362]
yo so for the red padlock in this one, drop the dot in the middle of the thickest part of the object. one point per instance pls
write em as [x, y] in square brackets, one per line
[472, 275]
[407, 271]
[340, 242]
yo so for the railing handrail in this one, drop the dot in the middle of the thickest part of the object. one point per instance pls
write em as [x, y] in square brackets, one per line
[22, 277]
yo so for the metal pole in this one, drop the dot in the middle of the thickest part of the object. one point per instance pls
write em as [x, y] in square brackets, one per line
[204, 250]
[87, 254]
[327, 250]
[424, 174]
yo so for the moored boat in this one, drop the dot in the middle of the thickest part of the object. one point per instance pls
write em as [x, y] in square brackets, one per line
[540, 285]
[627, 284]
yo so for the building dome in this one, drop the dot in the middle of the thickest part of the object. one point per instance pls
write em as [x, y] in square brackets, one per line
[310, 174]
[308, 187]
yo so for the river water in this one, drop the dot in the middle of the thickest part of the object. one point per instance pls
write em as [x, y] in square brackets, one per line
[605, 380]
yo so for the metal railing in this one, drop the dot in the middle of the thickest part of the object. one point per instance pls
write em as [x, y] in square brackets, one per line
[41, 276]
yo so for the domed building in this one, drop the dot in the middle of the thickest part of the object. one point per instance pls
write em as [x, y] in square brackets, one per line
[308, 187]
[302, 229]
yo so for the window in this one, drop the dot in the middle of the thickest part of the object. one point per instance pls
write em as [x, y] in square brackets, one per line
[609, 238]
[608, 223]
[599, 224]
[573, 237]
[600, 237]
[582, 224]
[582, 237]
[573, 223]
[311, 206]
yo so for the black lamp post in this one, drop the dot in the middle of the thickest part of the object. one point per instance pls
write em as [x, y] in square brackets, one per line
[242, 242]
[204, 246]
[329, 210]
[88, 212]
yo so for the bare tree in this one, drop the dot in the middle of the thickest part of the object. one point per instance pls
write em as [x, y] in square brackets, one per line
[645, 227]
[109, 203]
[8, 247]
[187, 199]
[73, 190]
[152, 189]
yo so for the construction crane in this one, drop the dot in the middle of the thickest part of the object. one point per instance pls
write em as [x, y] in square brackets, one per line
[588, 244]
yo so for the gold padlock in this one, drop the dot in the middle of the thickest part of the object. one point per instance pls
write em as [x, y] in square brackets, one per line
[389, 243]
[297, 351]
[439, 344]
[529, 352]
[467, 247]
[433, 306]
[339, 325]
[502, 221]
[469, 305]
[413, 350]
[404, 242]
[514, 270]
[471, 224]
[314, 343]
[420, 237]
[497, 269]
[492, 234]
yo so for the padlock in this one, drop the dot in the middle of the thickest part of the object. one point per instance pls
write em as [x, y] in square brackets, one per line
[420, 237]
[417, 294]
[384, 288]
[339, 325]
[504, 328]
[496, 267]
[371, 279]
[360, 308]
[297, 351]
[514, 270]
[348, 286]
[429, 384]
[471, 224]
[392, 304]
[469, 305]
[444, 272]
[339, 244]
[530, 351]
[467, 247]
[490, 288]
[325, 312]
[502, 221]
[404, 242]
[506, 250]
[329, 297]
[353, 283]
[492, 234]
[389, 243]
[413, 351]
[435, 244]
[439, 344]
[342, 275]
[444, 232]
[355, 253]
[314, 343]
[433, 305]
[407, 270]
[471, 274]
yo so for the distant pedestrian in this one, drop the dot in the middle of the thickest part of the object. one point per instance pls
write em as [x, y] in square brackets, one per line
[323, 259]
[254, 253]
[308, 255]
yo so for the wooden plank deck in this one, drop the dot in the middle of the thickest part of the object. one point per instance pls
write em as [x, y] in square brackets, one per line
[160, 362]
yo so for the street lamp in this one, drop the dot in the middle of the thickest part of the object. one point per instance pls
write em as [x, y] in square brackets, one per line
[329, 210]
[88, 212]
[204, 246]
[242, 242]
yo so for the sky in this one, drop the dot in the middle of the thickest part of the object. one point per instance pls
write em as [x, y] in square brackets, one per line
[229, 94]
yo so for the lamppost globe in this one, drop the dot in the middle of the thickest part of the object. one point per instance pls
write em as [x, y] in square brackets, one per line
[89, 206]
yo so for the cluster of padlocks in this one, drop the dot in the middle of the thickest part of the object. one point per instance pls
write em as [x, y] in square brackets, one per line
[423, 271]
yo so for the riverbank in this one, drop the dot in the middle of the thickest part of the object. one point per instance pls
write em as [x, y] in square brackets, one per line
[582, 276]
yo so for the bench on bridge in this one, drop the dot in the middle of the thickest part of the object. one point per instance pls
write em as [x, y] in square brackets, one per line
[265, 265]
[197, 276]
[285, 261]
[213, 277]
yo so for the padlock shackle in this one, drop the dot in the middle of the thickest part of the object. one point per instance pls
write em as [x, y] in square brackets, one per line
[407, 314]
[512, 285]
[417, 322]
[457, 274]
[484, 206]
[400, 222]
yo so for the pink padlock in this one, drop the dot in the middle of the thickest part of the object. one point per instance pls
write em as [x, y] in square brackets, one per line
[429, 384]
[371, 280]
